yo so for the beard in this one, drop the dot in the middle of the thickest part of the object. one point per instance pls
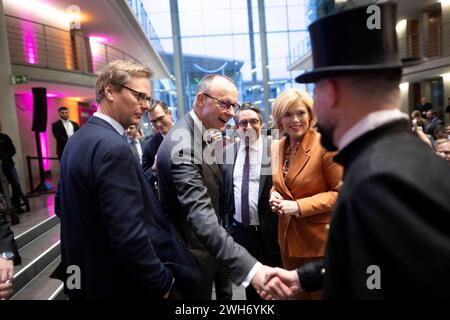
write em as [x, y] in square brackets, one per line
[326, 138]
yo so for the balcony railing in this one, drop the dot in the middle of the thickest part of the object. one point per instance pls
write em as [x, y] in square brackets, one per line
[32, 43]
[299, 51]
[434, 46]
[139, 11]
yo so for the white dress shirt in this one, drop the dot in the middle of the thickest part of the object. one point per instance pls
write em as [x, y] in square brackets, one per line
[138, 147]
[370, 122]
[68, 126]
[255, 150]
[111, 121]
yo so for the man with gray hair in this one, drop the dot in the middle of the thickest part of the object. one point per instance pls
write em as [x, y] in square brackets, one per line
[190, 186]
[116, 242]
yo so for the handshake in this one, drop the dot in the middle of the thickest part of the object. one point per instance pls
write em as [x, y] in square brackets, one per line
[276, 283]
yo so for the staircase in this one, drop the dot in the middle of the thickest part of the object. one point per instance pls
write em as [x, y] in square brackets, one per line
[39, 247]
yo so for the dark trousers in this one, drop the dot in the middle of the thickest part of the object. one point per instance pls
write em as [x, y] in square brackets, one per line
[13, 179]
[251, 239]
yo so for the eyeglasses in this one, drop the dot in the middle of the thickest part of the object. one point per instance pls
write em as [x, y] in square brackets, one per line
[244, 123]
[141, 97]
[155, 121]
[224, 104]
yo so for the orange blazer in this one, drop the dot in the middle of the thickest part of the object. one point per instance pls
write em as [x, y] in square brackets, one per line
[313, 180]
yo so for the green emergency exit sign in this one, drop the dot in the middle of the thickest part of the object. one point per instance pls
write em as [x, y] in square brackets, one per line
[20, 79]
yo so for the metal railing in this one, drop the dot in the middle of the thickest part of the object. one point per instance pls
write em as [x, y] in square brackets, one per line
[37, 44]
[433, 46]
[137, 7]
[299, 51]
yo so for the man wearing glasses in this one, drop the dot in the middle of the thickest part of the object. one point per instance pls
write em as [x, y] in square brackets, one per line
[190, 186]
[247, 182]
[112, 226]
[161, 118]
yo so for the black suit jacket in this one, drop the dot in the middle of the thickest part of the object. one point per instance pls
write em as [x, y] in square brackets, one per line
[390, 215]
[151, 147]
[189, 187]
[7, 150]
[60, 134]
[267, 219]
[112, 226]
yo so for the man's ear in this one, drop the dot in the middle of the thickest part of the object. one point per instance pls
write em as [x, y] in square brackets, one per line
[109, 92]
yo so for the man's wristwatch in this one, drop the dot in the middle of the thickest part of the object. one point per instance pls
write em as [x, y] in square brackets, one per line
[7, 255]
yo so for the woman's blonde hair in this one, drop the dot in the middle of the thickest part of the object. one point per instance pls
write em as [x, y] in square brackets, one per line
[286, 100]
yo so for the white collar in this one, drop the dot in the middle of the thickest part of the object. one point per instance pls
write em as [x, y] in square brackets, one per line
[371, 121]
[197, 121]
[257, 145]
[117, 126]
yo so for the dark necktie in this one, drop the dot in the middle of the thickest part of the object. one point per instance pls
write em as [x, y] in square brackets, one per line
[245, 208]
[135, 150]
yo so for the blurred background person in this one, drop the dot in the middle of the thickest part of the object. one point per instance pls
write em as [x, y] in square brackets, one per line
[161, 119]
[433, 124]
[306, 181]
[7, 151]
[63, 129]
[136, 142]
[424, 106]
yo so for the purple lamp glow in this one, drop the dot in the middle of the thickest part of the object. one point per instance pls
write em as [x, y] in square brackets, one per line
[44, 149]
[30, 47]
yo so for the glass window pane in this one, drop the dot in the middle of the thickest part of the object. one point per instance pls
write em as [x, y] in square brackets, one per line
[241, 47]
[191, 23]
[219, 46]
[276, 19]
[277, 45]
[296, 18]
[216, 22]
[239, 18]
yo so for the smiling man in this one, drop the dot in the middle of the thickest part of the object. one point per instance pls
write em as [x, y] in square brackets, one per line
[190, 188]
[112, 228]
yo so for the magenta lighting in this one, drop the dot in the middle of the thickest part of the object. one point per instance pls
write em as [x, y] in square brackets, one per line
[99, 39]
[30, 47]
[44, 149]
[49, 95]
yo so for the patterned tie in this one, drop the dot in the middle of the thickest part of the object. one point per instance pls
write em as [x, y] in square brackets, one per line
[245, 208]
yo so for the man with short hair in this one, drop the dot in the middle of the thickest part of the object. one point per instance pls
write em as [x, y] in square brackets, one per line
[112, 226]
[423, 106]
[63, 129]
[247, 179]
[433, 124]
[190, 183]
[161, 119]
[389, 237]
[135, 142]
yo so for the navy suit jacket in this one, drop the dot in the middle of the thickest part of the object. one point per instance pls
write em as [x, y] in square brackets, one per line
[112, 226]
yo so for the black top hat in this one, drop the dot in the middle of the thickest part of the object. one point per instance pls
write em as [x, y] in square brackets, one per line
[344, 44]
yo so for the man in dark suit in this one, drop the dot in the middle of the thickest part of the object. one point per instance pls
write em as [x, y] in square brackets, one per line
[161, 118]
[190, 182]
[424, 106]
[250, 221]
[7, 151]
[135, 142]
[112, 228]
[63, 129]
[433, 125]
[389, 237]
[9, 257]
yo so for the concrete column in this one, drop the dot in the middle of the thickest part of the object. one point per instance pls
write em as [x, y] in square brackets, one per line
[402, 36]
[445, 36]
[8, 115]
[177, 56]
[404, 91]
[264, 57]
[446, 83]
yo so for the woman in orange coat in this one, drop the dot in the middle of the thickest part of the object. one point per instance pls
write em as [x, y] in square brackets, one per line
[306, 181]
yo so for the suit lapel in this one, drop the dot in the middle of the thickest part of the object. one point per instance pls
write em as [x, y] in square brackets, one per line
[264, 167]
[301, 158]
[278, 160]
